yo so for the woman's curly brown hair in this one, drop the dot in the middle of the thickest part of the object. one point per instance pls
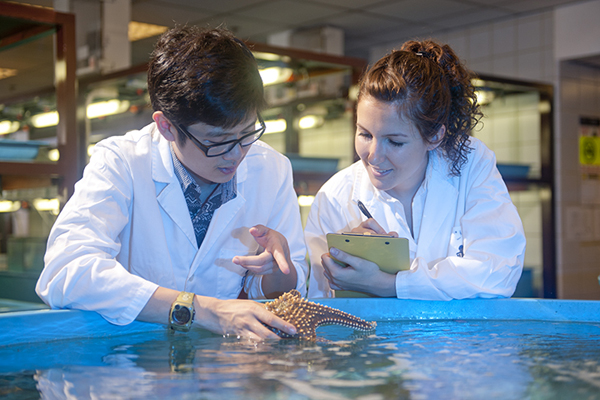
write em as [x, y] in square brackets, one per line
[431, 87]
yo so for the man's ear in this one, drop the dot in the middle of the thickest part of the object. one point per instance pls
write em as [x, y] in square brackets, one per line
[165, 127]
[437, 139]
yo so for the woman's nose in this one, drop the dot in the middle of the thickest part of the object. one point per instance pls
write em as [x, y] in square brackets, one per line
[376, 152]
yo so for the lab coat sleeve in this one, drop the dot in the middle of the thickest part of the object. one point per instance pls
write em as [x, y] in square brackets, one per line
[493, 243]
[285, 218]
[325, 214]
[81, 270]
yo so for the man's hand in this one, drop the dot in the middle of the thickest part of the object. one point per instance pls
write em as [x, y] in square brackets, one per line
[238, 317]
[276, 253]
[234, 317]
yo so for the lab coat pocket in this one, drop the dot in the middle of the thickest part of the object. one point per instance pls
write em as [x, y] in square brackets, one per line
[456, 243]
[230, 275]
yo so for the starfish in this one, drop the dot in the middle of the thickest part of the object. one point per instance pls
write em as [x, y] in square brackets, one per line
[307, 316]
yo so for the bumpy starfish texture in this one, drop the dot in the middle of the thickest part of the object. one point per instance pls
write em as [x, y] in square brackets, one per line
[307, 316]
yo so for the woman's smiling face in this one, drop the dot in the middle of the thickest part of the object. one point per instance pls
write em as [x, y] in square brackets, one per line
[391, 148]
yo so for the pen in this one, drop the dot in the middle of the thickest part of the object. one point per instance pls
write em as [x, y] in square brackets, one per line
[364, 210]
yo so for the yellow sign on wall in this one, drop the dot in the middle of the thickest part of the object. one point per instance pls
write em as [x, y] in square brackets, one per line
[589, 150]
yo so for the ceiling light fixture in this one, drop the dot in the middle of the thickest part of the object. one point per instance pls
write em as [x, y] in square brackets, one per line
[52, 205]
[273, 75]
[7, 127]
[310, 121]
[44, 120]
[53, 154]
[484, 97]
[105, 108]
[9, 206]
[275, 126]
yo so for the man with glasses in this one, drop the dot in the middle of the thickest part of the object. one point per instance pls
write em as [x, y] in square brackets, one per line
[176, 222]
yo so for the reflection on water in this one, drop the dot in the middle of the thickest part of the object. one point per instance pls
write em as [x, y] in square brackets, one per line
[404, 360]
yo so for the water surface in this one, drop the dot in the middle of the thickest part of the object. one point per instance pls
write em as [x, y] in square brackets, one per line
[402, 360]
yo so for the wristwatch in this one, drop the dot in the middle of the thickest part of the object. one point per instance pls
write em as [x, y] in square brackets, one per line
[182, 312]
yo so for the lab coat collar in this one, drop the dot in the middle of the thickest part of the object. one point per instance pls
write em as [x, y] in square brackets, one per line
[170, 196]
[168, 190]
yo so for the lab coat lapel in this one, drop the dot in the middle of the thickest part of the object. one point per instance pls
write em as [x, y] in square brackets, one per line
[222, 220]
[168, 189]
[439, 212]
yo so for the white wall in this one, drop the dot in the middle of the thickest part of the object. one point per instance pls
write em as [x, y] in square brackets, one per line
[577, 31]
[520, 48]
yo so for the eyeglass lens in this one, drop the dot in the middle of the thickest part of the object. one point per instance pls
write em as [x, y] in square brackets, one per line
[244, 141]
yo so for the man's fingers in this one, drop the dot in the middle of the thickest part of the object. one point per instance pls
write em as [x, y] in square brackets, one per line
[260, 233]
[281, 261]
[259, 230]
[278, 323]
[250, 261]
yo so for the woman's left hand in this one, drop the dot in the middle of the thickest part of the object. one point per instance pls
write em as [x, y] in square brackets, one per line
[275, 257]
[358, 275]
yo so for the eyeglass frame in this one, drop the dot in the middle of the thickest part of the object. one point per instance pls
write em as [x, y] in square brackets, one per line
[234, 142]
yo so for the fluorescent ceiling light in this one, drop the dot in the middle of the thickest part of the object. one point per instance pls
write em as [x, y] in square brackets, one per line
[52, 205]
[275, 126]
[53, 154]
[7, 127]
[94, 110]
[9, 206]
[274, 75]
[484, 97]
[310, 121]
[268, 56]
[104, 108]
[44, 120]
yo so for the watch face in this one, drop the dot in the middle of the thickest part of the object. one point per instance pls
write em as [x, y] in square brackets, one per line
[181, 315]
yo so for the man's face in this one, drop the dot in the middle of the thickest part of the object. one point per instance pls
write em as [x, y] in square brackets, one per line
[219, 169]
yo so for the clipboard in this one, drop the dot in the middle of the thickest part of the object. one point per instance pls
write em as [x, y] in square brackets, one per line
[391, 254]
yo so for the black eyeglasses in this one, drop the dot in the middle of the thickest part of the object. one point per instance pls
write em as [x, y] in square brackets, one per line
[225, 147]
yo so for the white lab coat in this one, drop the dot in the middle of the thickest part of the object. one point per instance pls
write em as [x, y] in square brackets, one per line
[127, 229]
[473, 210]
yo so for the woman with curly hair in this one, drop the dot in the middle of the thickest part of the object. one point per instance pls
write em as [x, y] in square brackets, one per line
[424, 178]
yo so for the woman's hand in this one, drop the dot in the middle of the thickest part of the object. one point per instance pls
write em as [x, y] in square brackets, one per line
[238, 317]
[275, 257]
[371, 227]
[358, 274]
